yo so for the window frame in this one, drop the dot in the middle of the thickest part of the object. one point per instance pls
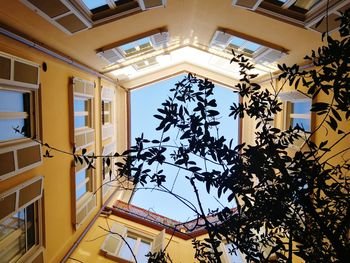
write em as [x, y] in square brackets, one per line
[157, 242]
[83, 137]
[38, 246]
[289, 97]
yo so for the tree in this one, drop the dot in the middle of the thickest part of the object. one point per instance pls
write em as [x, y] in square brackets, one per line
[287, 205]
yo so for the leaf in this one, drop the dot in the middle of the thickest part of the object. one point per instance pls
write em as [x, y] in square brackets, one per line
[332, 123]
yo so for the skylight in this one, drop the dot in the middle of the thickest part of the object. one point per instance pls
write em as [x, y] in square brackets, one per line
[136, 45]
[244, 45]
[144, 103]
[93, 4]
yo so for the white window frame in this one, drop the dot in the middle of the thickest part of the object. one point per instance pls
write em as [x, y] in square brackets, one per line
[87, 202]
[288, 98]
[11, 84]
[84, 90]
[113, 243]
[108, 96]
[38, 247]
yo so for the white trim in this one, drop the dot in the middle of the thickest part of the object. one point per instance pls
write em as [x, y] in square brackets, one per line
[14, 148]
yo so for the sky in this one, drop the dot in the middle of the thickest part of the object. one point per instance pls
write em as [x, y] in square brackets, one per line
[144, 104]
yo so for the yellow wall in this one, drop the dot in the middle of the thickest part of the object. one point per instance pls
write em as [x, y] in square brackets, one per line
[179, 250]
[59, 231]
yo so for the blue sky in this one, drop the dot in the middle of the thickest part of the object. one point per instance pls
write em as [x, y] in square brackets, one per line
[144, 104]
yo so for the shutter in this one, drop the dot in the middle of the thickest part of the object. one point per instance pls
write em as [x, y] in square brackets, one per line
[113, 242]
[38, 256]
[19, 158]
[17, 71]
[107, 93]
[160, 39]
[149, 4]
[107, 131]
[111, 56]
[85, 210]
[220, 40]
[247, 4]
[159, 242]
[60, 13]
[268, 55]
[8, 205]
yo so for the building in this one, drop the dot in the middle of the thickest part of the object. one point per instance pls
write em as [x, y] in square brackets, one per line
[66, 72]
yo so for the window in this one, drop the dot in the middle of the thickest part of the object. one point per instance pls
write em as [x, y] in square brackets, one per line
[15, 112]
[228, 256]
[107, 111]
[108, 176]
[260, 51]
[135, 46]
[19, 82]
[115, 247]
[83, 183]
[84, 196]
[20, 222]
[296, 111]
[140, 248]
[83, 93]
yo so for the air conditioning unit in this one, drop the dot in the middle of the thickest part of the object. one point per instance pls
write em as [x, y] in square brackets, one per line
[220, 39]
[60, 13]
[268, 55]
[111, 56]
[160, 40]
[150, 4]
[247, 4]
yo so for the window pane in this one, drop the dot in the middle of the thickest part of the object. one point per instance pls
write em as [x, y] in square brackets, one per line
[234, 258]
[135, 44]
[306, 4]
[251, 47]
[31, 226]
[7, 131]
[236, 41]
[81, 121]
[79, 179]
[13, 229]
[125, 251]
[11, 101]
[304, 123]
[92, 4]
[302, 107]
[81, 105]
[143, 250]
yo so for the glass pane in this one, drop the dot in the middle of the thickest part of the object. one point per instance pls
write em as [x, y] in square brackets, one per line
[304, 123]
[125, 251]
[251, 47]
[135, 44]
[13, 229]
[81, 105]
[302, 107]
[236, 41]
[81, 121]
[7, 131]
[11, 101]
[79, 179]
[92, 4]
[234, 258]
[306, 4]
[143, 250]
[31, 226]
